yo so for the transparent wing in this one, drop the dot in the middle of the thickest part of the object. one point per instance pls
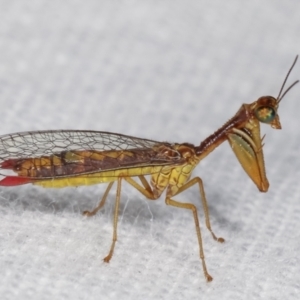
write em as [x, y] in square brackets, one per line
[62, 153]
[44, 143]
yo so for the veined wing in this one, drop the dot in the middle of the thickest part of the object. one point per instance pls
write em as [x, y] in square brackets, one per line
[62, 153]
[44, 143]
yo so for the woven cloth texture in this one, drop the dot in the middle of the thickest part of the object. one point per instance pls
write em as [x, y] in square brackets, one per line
[169, 71]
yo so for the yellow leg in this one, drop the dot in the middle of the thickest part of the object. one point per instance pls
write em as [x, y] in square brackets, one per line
[145, 183]
[193, 208]
[101, 203]
[145, 189]
[147, 192]
[116, 213]
[197, 180]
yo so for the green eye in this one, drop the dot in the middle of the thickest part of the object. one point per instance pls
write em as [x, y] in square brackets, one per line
[265, 114]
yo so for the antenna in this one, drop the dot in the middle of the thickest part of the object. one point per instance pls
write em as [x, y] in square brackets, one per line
[279, 98]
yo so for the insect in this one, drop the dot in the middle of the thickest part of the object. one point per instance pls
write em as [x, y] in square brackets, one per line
[56, 159]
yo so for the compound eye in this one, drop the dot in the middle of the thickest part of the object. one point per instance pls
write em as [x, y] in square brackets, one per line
[265, 114]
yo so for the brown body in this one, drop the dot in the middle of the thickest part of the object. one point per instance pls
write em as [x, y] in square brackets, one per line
[169, 164]
[72, 158]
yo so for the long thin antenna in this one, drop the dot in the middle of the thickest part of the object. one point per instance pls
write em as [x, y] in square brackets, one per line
[279, 98]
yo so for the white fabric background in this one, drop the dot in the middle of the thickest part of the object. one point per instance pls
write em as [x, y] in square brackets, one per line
[166, 70]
